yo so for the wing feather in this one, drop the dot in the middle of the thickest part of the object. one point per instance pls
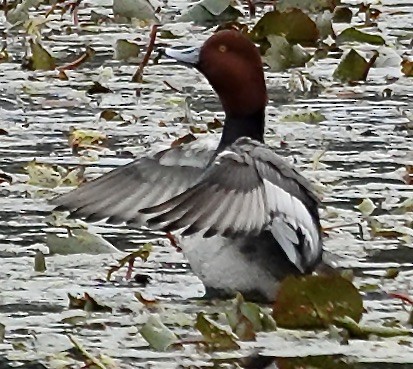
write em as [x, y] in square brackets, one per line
[246, 190]
[119, 195]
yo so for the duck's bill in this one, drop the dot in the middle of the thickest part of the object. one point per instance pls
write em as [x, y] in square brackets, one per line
[190, 55]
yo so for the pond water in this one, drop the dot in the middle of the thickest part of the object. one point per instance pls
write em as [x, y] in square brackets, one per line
[360, 150]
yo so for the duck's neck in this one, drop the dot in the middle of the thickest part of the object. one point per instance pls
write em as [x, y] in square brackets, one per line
[246, 126]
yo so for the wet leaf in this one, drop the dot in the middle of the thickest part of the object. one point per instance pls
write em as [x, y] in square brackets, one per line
[353, 67]
[216, 124]
[316, 301]
[366, 207]
[2, 332]
[281, 55]
[34, 26]
[81, 138]
[311, 5]
[157, 334]
[87, 303]
[210, 12]
[342, 14]
[357, 330]
[90, 360]
[139, 9]
[183, 140]
[109, 115]
[149, 303]
[247, 318]
[79, 241]
[294, 25]
[391, 273]
[168, 35]
[197, 130]
[4, 55]
[309, 117]
[354, 35]
[97, 88]
[407, 68]
[41, 58]
[50, 176]
[125, 49]
[43, 175]
[39, 262]
[215, 335]
[20, 13]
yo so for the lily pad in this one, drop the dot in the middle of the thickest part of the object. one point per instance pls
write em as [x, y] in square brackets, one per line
[354, 35]
[294, 25]
[353, 67]
[316, 301]
[282, 55]
[79, 241]
[41, 59]
[157, 334]
[311, 5]
[125, 49]
[210, 12]
[138, 9]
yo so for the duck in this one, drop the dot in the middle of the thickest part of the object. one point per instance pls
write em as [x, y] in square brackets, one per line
[244, 218]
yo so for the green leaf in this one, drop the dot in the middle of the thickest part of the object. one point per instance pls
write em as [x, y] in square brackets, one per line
[138, 9]
[353, 67]
[282, 55]
[157, 334]
[294, 25]
[215, 335]
[366, 207]
[79, 241]
[354, 35]
[309, 117]
[125, 49]
[39, 262]
[247, 318]
[311, 5]
[363, 331]
[316, 301]
[41, 58]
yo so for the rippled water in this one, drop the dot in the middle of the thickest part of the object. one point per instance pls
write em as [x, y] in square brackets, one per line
[364, 144]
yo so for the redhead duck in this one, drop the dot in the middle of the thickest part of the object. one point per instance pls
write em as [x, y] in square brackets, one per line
[244, 217]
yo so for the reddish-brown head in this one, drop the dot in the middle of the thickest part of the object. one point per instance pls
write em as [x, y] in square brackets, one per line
[233, 67]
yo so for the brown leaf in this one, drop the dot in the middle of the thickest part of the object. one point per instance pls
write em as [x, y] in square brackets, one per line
[183, 140]
[407, 68]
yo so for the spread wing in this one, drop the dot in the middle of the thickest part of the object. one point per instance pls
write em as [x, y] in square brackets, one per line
[119, 195]
[248, 189]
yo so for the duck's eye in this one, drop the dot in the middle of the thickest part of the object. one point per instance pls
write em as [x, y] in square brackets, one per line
[222, 48]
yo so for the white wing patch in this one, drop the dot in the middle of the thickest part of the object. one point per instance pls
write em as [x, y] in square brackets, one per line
[290, 216]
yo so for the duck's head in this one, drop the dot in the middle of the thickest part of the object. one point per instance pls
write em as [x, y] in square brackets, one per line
[232, 65]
